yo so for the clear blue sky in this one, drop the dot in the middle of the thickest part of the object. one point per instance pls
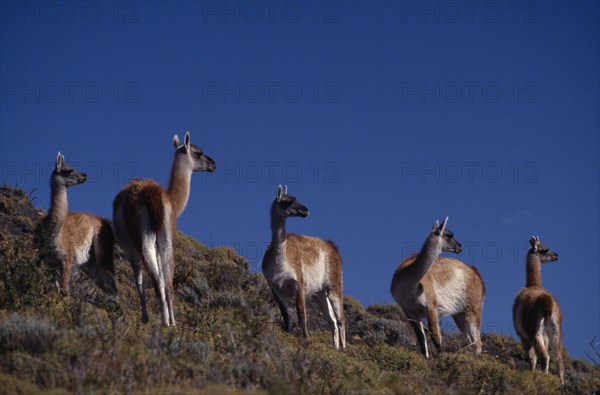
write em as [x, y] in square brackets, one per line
[381, 118]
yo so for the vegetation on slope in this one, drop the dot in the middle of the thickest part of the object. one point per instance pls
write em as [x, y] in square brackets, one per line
[228, 339]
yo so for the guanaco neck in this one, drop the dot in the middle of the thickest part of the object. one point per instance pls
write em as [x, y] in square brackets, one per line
[534, 271]
[277, 229]
[430, 251]
[59, 206]
[179, 184]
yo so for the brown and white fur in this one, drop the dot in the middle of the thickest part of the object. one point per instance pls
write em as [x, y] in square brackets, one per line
[427, 286]
[536, 313]
[79, 239]
[298, 266]
[145, 217]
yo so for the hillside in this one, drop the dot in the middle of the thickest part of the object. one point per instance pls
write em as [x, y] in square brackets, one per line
[228, 338]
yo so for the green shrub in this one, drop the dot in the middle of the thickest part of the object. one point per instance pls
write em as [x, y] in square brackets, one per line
[27, 333]
[23, 281]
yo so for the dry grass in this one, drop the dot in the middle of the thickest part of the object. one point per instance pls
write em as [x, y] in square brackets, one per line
[228, 340]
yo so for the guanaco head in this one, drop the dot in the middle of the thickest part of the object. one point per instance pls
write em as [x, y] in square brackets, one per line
[193, 155]
[445, 237]
[287, 206]
[65, 175]
[542, 250]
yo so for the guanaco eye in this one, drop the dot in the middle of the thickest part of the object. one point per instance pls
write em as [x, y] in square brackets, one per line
[68, 171]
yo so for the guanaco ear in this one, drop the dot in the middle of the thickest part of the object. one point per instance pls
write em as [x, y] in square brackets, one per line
[279, 193]
[187, 141]
[443, 225]
[60, 161]
[176, 142]
[285, 190]
[534, 241]
[436, 226]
